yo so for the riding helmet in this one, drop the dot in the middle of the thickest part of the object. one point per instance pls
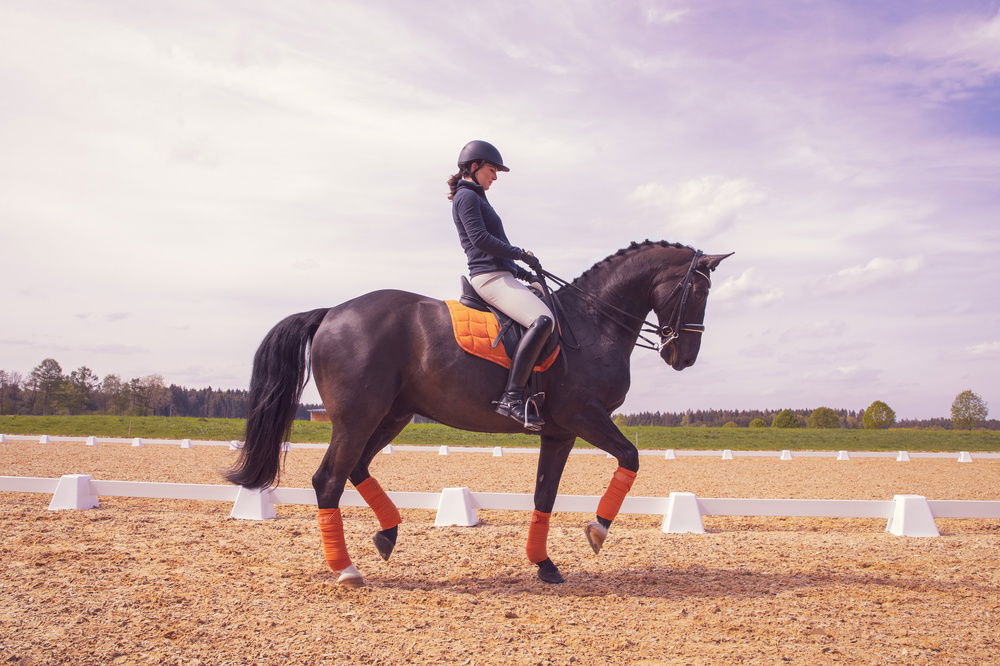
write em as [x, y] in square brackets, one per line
[481, 151]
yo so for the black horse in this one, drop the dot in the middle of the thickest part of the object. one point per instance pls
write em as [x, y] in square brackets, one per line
[380, 358]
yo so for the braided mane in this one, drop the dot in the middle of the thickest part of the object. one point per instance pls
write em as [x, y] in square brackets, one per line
[625, 252]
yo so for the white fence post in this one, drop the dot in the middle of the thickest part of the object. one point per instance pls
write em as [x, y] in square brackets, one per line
[842, 455]
[3, 438]
[137, 442]
[964, 457]
[234, 445]
[727, 454]
[91, 441]
[387, 449]
[457, 506]
[257, 504]
[442, 450]
[911, 516]
[74, 491]
[669, 455]
[185, 443]
[682, 515]
[903, 456]
[785, 455]
[44, 439]
[498, 452]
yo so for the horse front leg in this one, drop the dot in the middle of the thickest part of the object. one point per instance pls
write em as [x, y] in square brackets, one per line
[601, 431]
[551, 462]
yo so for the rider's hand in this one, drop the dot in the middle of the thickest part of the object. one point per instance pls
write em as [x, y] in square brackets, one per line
[529, 258]
[537, 288]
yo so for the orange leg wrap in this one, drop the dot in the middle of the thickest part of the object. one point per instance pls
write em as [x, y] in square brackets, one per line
[538, 536]
[331, 528]
[613, 497]
[385, 510]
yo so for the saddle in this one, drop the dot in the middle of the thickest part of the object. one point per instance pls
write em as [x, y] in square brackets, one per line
[488, 333]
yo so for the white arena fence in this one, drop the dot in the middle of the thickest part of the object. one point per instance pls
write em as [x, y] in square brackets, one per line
[669, 454]
[907, 515]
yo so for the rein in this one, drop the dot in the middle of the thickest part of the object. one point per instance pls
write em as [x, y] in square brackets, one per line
[667, 332]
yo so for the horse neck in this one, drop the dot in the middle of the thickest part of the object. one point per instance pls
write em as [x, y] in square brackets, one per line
[625, 284]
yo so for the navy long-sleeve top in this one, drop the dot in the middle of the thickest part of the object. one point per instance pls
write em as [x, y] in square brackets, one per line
[481, 233]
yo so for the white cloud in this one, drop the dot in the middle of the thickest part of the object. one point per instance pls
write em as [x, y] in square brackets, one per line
[705, 205]
[985, 349]
[745, 287]
[879, 270]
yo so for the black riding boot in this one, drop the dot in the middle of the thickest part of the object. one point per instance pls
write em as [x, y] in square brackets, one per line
[512, 402]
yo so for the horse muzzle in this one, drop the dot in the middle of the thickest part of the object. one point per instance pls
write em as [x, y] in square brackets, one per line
[672, 356]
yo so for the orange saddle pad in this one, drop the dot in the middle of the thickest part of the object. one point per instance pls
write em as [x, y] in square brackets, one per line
[475, 332]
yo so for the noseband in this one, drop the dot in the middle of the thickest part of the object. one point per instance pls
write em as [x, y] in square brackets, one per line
[667, 332]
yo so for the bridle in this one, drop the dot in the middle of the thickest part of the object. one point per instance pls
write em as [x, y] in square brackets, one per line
[667, 332]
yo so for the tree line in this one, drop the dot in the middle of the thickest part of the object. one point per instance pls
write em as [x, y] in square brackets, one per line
[968, 411]
[48, 390]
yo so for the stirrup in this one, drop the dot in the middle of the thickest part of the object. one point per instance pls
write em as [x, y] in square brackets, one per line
[533, 404]
[519, 409]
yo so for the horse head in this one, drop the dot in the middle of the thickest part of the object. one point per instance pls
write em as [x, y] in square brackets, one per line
[679, 302]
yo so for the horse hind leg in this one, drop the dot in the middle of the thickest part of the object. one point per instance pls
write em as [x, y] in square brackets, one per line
[370, 490]
[329, 480]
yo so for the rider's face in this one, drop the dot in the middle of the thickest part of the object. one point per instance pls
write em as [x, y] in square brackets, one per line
[486, 175]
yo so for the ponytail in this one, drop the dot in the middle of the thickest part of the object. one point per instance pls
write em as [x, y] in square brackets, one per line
[453, 185]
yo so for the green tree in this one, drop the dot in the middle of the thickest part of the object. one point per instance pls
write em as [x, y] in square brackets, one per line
[878, 416]
[758, 423]
[786, 418]
[45, 381]
[823, 417]
[968, 411]
[112, 398]
[729, 424]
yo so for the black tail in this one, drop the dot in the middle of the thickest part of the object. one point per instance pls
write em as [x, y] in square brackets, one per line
[280, 372]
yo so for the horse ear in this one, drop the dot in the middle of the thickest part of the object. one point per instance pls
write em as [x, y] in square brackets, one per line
[712, 261]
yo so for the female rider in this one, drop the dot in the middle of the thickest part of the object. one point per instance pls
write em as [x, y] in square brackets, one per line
[493, 273]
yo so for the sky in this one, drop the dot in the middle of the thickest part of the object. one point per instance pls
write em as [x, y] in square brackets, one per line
[177, 177]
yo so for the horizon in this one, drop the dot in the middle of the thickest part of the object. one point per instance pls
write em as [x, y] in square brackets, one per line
[181, 177]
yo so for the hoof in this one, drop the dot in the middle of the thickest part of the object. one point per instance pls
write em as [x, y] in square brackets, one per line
[596, 534]
[351, 577]
[549, 573]
[383, 544]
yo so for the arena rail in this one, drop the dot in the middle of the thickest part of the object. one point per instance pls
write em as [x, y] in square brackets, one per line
[906, 515]
[497, 451]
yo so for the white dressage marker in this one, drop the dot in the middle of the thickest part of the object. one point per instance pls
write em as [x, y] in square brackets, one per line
[682, 515]
[456, 507]
[257, 504]
[74, 491]
[911, 516]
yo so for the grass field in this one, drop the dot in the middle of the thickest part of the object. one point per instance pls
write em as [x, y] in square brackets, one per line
[649, 437]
